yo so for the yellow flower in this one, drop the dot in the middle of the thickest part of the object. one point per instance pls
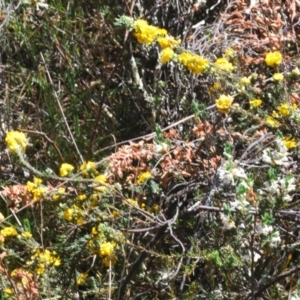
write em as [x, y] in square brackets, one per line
[107, 249]
[99, 183]
[278, 77]
[81, 279]
[8, 232]
[156, 207]
[255, 103]
[284, 110]
[94, 231]
[1, 217]
[245, 81]
[194, 63]
[88, 168]
[166, 55]
[44, 259]
[223, 104]
[101, 179]
[68, 214]
[35, 188]
[143, 177]
[8, 291]
[115, 214]
[60, 192]
[73, 214]
[272, 122]
[146, 33]
[168, 42]
[289, 142]
[132, 202]
[222, 64]
[65, 169]
[26, 234]
[16, 140]
[81, 197]
[230, 53]
[273, 59]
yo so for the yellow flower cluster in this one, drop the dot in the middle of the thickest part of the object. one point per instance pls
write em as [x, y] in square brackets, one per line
[230, 53]
[35, 188]
[143, 177]
[166, 55]
[74, 214]
[245, 81]
[45, 259]
[9, 291]
[195, 63]
[146, 33]
[99, 184]
[81, 279]
[289, 142]
[65, 169]
[273, 59]
[222, 64]
[224, 103]
[16, 140]
[59, 193]
[255, 103]
[278, 77]
[8, 232]
[88, 168]
[284, 109]
[106, 253]
[272, 121]
[132, 202]
[168, 42]
[26, 234]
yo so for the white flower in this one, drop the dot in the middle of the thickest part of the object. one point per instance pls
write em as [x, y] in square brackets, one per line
[272, 188]
[287, 185]
[287, 198]
[227, 223]
[42, 5]
[161, 148]
[247, 257]
[228, 172]
[226, 177]
[239, 172]
[264, 229]
[278, 156]
[275, 239]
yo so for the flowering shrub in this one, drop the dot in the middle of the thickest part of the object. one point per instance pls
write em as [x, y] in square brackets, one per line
[204, 208]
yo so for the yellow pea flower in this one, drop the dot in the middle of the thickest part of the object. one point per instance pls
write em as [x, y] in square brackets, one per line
[289, 142]
[166, 55]
[65, 169]
[223, 103]
[143, 177]
[278, 77]
[255, 103]
[16, 140]
[273, 59]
